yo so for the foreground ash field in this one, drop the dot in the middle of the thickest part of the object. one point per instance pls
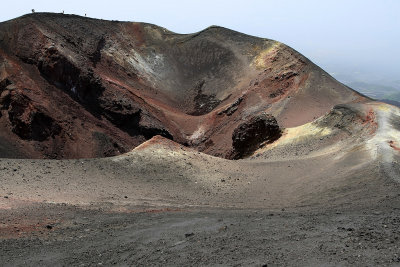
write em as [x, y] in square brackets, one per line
[124, 143]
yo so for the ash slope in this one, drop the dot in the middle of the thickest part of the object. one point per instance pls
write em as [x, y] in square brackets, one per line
[347, 158]
[142, 82]
[73, 87]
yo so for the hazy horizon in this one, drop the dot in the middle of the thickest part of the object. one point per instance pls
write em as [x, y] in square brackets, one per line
[352, 40]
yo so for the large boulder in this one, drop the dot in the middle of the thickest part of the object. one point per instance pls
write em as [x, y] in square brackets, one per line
[253, 133]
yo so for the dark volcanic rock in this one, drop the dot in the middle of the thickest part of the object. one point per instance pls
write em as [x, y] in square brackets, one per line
[30, 123]
[232, 108]
[203, 103]
[253, 133]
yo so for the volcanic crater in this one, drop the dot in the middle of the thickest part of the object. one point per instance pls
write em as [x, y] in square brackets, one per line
[212, 148]
[74, 87]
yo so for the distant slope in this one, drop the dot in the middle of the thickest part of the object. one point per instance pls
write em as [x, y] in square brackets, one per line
[377, 91]
[391, 102]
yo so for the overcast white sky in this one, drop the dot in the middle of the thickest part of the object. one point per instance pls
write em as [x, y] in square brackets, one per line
[357, 38]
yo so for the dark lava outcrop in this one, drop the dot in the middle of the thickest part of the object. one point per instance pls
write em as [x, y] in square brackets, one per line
[74, 87]
[253, 133]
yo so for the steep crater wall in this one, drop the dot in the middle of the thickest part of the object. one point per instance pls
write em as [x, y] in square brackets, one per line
[74, 87]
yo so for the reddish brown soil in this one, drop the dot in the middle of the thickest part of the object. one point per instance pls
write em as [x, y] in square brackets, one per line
[393, 145]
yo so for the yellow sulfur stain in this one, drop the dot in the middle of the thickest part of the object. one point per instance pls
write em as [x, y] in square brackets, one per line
[259, 61]
[298, 134]
[384, 107]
